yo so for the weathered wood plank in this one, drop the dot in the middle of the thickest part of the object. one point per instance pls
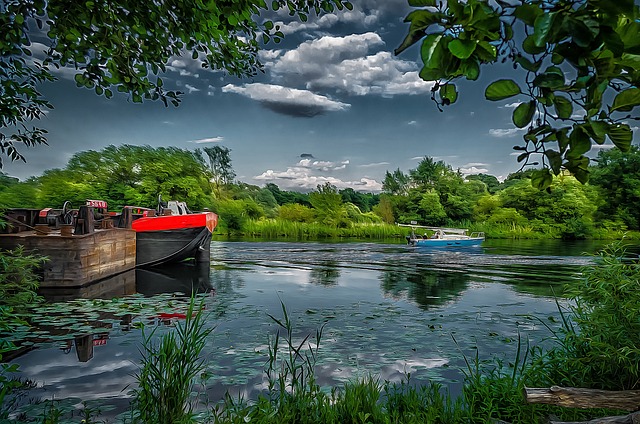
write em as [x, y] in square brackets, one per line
[573, 397]
[633, 418]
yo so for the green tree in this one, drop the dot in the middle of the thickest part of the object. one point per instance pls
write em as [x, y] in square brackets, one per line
[429, 173]
[220, 167]
[617, 176]
[566, 210]
[124, 45]
[328, 205]
[384, 209]
[396, 182]
[577, 61]
[490, 181]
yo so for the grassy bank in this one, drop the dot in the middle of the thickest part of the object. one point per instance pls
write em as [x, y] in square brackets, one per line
[283, 229]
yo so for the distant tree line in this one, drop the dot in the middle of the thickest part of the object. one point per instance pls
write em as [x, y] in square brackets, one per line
[431, 194]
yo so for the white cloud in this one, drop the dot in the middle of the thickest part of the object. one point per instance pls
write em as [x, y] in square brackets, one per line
[288, 101]
[373, 165]
[322, 165]
[309, 172]
[344, 64]
[217, 139]
[504, 132]
[471, 170]
[303, 179]
[512, 105]
[412, 123]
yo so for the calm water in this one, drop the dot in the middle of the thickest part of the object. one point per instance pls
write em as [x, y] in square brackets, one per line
[388, 310]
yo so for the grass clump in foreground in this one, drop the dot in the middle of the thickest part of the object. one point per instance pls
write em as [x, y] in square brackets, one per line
[170, 366]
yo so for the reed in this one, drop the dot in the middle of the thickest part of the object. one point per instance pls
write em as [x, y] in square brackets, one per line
[169, 367]
[279, 228]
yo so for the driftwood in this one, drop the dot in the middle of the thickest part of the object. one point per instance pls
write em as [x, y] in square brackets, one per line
[633, 418]
[628, 400]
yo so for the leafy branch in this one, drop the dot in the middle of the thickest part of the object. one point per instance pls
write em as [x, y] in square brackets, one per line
[580, 61]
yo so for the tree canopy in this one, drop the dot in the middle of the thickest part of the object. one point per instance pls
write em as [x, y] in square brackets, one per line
[124, 45]
[578, 64]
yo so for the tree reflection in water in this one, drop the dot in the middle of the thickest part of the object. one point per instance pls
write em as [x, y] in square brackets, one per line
[422, 285]
[326, 273]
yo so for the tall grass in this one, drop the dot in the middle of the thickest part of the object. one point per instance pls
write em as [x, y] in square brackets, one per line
[279, 228]
[170, 365]
[598, 344]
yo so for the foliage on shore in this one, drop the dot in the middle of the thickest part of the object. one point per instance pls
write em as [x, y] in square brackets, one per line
[431, 194]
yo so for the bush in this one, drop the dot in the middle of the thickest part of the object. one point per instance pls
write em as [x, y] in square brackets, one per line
[599, 341]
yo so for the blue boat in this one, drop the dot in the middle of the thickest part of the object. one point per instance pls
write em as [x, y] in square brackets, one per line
[443, 237]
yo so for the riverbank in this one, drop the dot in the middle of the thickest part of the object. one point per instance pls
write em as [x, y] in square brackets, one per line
[279, 229]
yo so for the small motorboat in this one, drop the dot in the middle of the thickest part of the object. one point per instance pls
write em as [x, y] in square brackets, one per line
[443, 237]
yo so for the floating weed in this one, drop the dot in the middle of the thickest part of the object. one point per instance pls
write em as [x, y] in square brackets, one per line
[89, 316]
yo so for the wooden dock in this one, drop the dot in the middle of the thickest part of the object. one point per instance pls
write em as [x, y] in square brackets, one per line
[78, 260]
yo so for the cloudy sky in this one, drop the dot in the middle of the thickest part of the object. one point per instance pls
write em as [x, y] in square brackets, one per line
[334, 105]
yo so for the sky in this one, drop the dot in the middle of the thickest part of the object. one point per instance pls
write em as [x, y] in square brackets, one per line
[333, 105]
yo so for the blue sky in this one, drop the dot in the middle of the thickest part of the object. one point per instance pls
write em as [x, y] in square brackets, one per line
[334, 105]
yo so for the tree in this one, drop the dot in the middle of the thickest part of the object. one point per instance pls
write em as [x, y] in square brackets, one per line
[125, 45]
[579, 63]
[220, 166]
[429, 172]
[328, 205]
[617, 176]
[490, 181]
[396, 183]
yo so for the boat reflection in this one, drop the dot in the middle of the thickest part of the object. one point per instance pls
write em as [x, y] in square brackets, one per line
[180, 278]
[185, 278]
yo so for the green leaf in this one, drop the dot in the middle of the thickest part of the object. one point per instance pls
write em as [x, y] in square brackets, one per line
[555, 160]
[564, 107]
[621, 135]
[579, 142]
[600, 130]
[420, 20]
[527, 13]
[541, 28]
[430, 51]
[529, 46]
[541, 178]
[449, 93]
[527, 65]
[486, 51]
[470, 69]
[523, 114]
[626, 100]
[462, 49]
[501, 89]
[550, 80]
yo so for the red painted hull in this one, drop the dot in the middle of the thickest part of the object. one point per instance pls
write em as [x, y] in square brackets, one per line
[176, 222]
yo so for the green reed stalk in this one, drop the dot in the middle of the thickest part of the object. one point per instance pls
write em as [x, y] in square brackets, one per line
[169, 368]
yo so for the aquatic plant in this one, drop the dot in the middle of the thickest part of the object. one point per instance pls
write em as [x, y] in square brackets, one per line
[169, 367]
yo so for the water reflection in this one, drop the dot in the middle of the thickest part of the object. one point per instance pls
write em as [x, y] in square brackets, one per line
[326, 273]
[186, 278]
[388, 309]
[422, 285]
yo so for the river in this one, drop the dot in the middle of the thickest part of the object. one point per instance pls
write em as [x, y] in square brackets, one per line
[386, 310]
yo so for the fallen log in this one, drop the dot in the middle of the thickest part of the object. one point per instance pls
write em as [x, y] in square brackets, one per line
[633, 418]
[572, 397]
